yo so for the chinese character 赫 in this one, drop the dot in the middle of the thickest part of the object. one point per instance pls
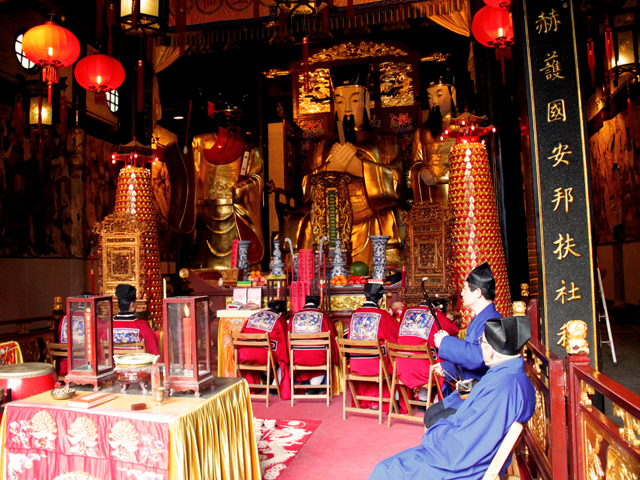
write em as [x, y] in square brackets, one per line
[547, 23]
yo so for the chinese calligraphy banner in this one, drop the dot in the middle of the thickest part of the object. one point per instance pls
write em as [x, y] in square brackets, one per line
[560, 171]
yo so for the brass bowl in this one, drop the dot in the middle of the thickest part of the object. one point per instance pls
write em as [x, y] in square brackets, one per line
[62, 395]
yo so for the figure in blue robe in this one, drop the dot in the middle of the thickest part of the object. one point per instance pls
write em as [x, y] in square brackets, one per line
[463, 445]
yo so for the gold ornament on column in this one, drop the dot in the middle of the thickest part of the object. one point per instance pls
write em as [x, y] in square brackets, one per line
[573, 337]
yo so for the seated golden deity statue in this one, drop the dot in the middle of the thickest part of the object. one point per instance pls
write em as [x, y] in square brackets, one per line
[229, 183]
[429, 174]
[371, 156]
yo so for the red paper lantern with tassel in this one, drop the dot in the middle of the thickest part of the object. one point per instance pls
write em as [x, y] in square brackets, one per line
[52, 47]
[492, 27]
[100, 74]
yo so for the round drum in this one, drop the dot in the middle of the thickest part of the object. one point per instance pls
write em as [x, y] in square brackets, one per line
[26, 379]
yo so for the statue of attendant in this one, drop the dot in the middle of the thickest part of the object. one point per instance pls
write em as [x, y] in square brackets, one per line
[229, 186]
[429, 174]
[371, 156]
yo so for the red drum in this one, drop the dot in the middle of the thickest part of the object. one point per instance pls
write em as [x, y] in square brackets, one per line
[26, 379]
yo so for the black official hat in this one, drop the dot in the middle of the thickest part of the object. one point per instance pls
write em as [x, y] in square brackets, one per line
[482, 277]
[346, 75]
[508, 335]
[312, 299]
[125, 293]
[278, 306]
[439, 74]
[373, 291]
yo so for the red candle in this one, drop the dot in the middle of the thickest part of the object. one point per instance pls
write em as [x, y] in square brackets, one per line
[186, 330]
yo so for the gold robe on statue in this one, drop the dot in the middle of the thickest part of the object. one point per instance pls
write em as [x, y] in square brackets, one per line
[375, 198]
[228, 204]
[433, 155]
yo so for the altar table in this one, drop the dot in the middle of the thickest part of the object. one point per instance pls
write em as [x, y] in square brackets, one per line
[232, 321]
[210, 437]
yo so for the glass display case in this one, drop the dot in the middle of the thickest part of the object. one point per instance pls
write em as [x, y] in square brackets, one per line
[187, 357]
[90, 340]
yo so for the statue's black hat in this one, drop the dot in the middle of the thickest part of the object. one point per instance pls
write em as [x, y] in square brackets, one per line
[345, 75]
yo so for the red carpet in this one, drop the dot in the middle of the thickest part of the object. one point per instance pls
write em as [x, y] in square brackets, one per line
[340, 449]
[280, 444]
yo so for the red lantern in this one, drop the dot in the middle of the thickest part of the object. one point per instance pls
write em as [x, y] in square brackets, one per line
[492, 27]
[100, 74]
[52, 47]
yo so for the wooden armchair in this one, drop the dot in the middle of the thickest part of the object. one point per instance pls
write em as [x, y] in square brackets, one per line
[53, 352]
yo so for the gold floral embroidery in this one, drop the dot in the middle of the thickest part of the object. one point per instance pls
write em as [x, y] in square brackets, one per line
[124, 440]
[44, 430]
[83, 435]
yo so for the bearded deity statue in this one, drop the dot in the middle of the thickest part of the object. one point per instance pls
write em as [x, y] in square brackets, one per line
[229, 183]
[429, 174]
[370, 156]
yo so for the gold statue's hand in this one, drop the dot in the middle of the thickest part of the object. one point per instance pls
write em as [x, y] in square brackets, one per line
[344, 159]
[427, 177]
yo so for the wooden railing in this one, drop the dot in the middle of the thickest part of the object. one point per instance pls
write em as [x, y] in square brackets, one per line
[600, 449]
[544, 449]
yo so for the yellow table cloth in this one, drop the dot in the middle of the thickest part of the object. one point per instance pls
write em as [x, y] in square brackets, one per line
[210, 437]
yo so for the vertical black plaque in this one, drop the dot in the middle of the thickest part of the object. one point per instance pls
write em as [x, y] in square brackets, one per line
[560, 170]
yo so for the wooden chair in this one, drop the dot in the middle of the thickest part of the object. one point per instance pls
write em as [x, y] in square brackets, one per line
[257, 340]
[52, 353]
[506, 448]
[412, 353]
[362, 348]
[297, 341]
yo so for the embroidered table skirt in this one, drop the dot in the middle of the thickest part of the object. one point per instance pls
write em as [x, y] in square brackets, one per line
[210, 437]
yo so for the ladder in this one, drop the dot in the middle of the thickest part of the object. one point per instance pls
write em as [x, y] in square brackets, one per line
[606, 317]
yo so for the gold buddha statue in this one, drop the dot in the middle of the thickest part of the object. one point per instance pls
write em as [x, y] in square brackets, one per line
[229, 184]
[429, 174]
[371, 156]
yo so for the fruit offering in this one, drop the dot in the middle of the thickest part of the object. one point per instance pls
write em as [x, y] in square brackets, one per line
[257, 279]
[339, 280]
[357, 280]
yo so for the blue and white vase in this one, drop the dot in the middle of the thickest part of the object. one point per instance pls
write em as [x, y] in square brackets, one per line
[379, 262]
[338, 265]
[276, 264]
[243, 262]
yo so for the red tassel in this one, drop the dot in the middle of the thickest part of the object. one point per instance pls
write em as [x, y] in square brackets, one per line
[591, 59]
[350, 12]
[283, 24]
[40, 116]
[135, 8]
[325, 21]
[100, 98]
[608, 43]
[18, 125]
[140, 85]
[256, 9]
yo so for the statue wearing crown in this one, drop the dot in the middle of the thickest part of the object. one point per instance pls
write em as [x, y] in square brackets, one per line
[369, 156]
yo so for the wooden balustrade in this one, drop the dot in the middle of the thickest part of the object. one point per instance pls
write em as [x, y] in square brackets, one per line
[599, 447]
[544, 450]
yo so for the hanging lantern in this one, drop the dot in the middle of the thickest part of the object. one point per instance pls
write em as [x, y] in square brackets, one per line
[52, 47]
[100, 74]
[492, 27]
[140, 13]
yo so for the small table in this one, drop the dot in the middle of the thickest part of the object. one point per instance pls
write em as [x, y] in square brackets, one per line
[186, 437]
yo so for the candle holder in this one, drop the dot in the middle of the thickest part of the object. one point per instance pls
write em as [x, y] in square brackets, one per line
[187, 361]
[90, 340]
[159, 396]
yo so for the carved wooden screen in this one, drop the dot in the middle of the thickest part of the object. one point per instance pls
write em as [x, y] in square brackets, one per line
[600, 449]
[545, 435]
[427, 251]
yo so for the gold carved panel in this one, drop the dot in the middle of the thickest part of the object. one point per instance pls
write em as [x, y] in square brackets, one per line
[396, 85]
[324, 182]
[605, 456]
[351, 302]
[427, 251]
[349, 51]
[318, 99]
[538, 423]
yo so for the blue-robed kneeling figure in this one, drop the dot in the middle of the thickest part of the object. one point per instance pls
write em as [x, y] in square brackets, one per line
[463, 445]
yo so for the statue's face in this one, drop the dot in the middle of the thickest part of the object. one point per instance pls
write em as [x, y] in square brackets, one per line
[440, 95]
[351, 100]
